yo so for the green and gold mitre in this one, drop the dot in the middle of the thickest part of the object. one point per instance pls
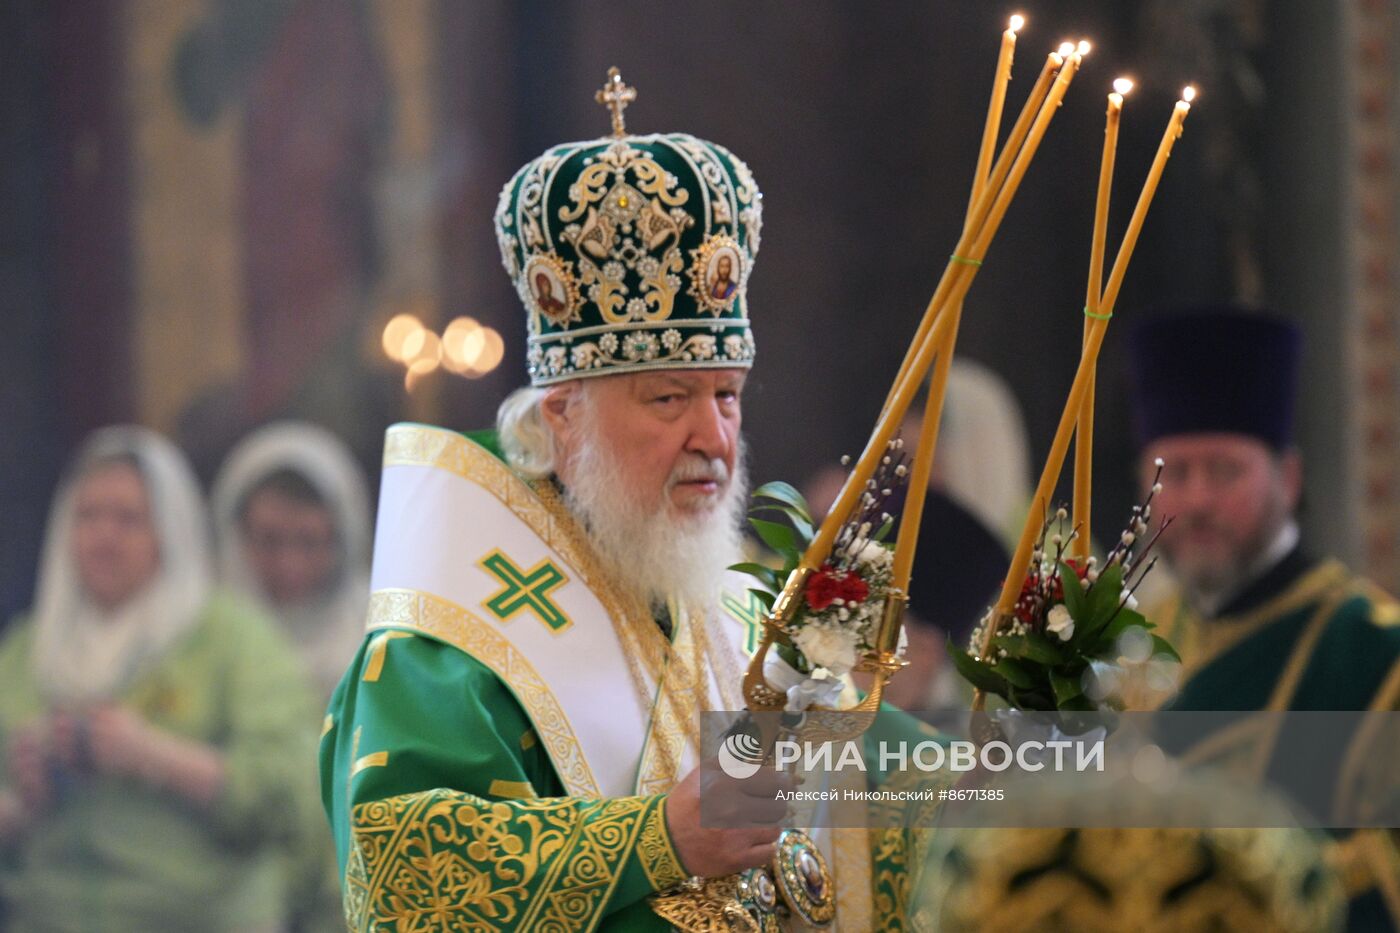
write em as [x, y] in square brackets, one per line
[632, 252]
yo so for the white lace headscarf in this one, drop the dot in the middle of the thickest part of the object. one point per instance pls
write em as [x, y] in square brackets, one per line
[327, 630]
[83, 653]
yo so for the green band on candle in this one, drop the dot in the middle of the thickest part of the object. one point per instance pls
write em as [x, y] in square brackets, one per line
[967, 262]
[1096, 316]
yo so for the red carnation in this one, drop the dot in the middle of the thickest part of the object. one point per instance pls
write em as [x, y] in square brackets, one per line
[829, 584]
[853, 589]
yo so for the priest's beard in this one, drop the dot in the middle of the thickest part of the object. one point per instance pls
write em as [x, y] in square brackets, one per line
[1209, 580]
[659, 552]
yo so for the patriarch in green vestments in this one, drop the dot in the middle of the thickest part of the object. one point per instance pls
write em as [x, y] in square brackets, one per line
[515, 746]
[156, 732]
[1261, 622]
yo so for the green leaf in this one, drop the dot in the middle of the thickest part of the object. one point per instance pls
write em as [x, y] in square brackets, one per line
[1126, 619]
[1161, 646]
[1036, 699]
[768, 599]
[1079, 704]
[765, 575]
[1016, 673]
[787, 495]
[1066, 688]
[1104, 603]
[977, 673]
[795, 659]
[778, 537]
[883, 531]
[799, 521]
[1105, 595]
[1074, 591]
[1032, 647]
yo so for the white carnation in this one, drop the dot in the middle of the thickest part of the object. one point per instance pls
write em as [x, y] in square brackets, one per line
[874, 556]
[1060, 622]
[827, 646]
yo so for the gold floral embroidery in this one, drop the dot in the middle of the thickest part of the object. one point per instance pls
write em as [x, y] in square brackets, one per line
[440, 860]
[654, 850]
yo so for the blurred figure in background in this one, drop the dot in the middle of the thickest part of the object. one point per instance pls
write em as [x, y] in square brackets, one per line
[155, 732]
[291, 521]
[1261, 623]
[958, 566]
[292, 527]
[983, 458]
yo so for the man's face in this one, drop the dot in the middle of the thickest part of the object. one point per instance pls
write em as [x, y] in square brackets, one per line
[1228, 496]
[666, 430]
[115, 546]
[290, 545]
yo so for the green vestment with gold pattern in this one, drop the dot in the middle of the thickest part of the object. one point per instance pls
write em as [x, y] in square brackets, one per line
[1306, 636]
[469, 783]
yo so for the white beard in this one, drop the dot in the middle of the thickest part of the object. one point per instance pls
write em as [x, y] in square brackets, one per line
[659, 553]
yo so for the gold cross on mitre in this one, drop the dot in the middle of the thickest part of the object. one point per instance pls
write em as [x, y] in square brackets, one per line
[616, 96]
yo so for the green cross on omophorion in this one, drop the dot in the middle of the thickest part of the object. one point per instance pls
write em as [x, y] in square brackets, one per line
[749, 613]
[526, 589]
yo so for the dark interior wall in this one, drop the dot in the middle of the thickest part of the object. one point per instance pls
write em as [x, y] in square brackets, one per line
[861, 123]
[30, 432]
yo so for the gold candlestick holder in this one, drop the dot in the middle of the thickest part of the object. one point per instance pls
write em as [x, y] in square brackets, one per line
[826, 723]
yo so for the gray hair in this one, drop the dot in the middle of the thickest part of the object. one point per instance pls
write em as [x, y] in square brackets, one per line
[527, 441]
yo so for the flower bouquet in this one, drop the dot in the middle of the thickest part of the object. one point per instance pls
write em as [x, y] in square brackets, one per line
[838, 624]
[1075, 638]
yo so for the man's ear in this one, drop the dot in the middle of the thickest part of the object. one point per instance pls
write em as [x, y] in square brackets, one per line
[557, 410]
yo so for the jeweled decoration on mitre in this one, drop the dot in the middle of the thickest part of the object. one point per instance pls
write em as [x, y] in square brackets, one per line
[631, 252]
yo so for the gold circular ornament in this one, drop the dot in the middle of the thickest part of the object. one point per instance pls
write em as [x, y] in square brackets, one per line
[717, 274]
[803, 878]
[549, 289]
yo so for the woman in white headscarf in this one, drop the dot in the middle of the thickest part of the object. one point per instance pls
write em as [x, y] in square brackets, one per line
[291, 520]
[154, 731]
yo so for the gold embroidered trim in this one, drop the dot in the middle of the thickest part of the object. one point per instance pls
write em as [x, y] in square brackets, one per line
[420, 860]
[417, 445]
[327, 725]
[529, 740]
[1367, 763]
[378, 647]
[516, 790]
[375, 760]
[671, 679]
[448, 622]
[1220, 635]
[656, 853]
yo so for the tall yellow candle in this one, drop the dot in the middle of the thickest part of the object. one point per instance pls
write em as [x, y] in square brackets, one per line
[956, 289]
[1149, 188]
[1020, 561]
[994, 107]
[1014, 143]
[912, 517]
[1084, 432]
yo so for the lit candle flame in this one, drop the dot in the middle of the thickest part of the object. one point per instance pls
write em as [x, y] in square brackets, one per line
[1066, 49]
[1017, 21]
[1188, 93]
[1123, 85]
[1084, 46]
